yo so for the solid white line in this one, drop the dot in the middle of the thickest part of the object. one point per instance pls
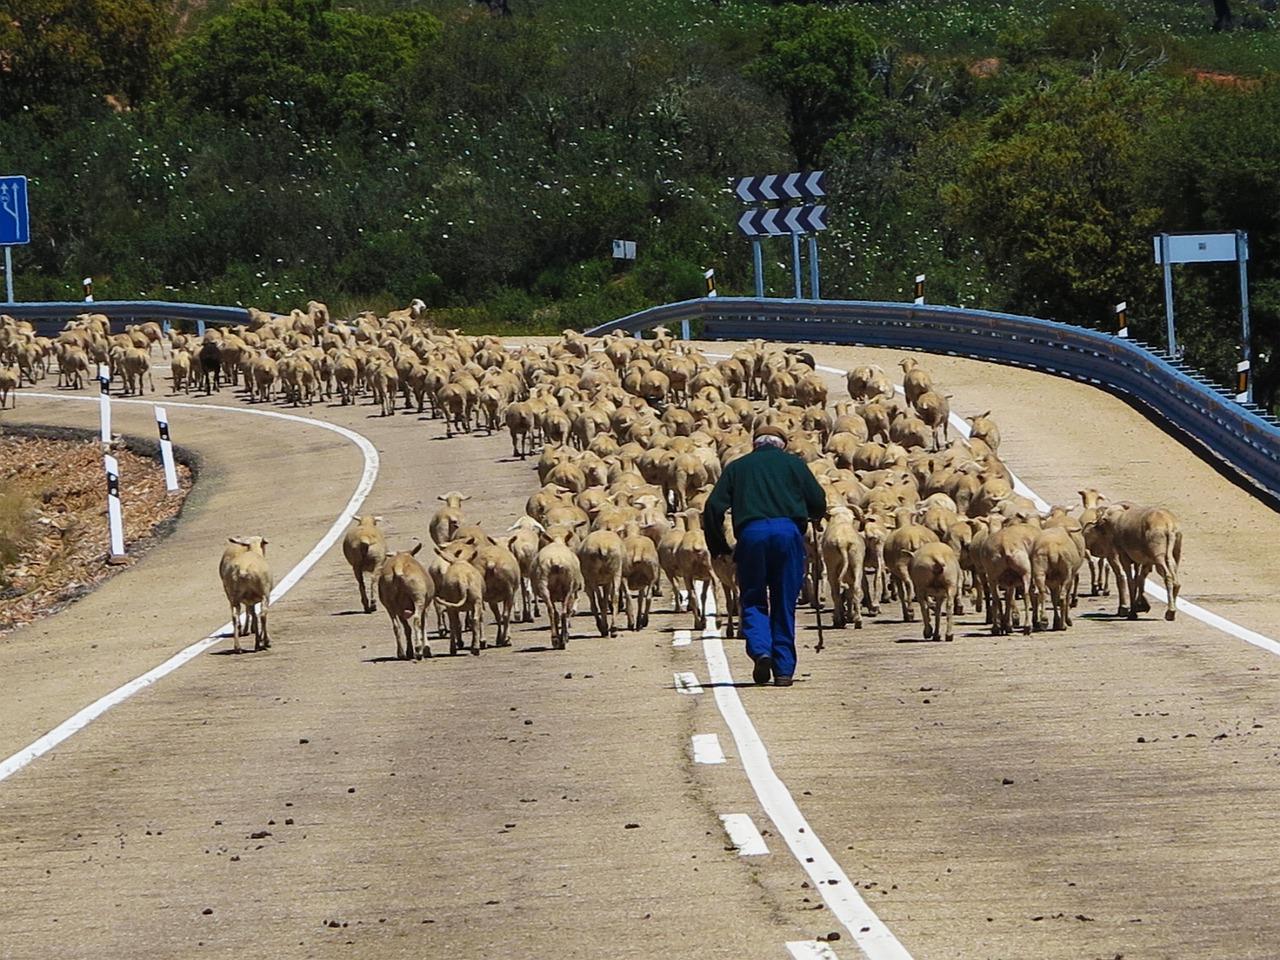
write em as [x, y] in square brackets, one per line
[687, 683]
[810, 950]
[681, 638]
[706, 748]
[744, 835]
[839, 894]
[87, 715]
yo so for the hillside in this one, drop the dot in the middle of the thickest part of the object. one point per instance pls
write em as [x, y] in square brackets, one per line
[1021, 154]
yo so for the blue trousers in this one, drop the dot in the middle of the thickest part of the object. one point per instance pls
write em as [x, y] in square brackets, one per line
[770, 558]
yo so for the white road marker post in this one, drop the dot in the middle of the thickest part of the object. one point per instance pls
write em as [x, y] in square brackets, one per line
[115, 519]
[919, 292]
[104, 400]
[1122, 319]
[166, 452]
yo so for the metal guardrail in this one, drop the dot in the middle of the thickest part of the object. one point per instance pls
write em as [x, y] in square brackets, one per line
[128, 310]
[1243, 437]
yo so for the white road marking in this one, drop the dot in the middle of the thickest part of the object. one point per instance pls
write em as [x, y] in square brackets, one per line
[839, 894]
[744, 835]
[87, 715]
[681, 638]
[810, 950]
[706, 748]
[687, 683]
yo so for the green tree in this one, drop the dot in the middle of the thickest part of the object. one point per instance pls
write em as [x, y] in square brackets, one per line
[60, 59]
[1052, 190]
[820, 63]
[301, 62]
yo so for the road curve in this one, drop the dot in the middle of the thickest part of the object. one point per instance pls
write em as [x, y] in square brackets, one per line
[480, 807]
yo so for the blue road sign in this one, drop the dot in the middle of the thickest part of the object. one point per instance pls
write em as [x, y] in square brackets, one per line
[15, 223]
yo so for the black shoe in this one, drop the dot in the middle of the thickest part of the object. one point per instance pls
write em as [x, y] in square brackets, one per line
[782, 681]
[763, 670]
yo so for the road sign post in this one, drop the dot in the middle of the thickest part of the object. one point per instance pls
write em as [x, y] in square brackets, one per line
[104, 401]
[813, 267]
[115, 520]
[1171, 248]
[805, 220]
[166, 451]
[15, 224]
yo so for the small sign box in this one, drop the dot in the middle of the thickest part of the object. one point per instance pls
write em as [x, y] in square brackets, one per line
[624, 249]
[1198, 248]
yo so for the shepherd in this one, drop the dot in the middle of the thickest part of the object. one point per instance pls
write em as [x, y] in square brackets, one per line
[772, 496]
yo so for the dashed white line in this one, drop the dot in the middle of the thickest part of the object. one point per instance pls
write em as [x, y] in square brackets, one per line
[681, 638]
[706, 748]
[87, 715]
[744, 835]
[687, 683]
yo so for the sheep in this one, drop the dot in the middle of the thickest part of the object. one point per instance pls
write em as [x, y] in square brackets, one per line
[521, 425]
[523, 544]
[365, 548]
[406, 590]
[1146, 538]
[557, 579]
[461, 590]
[600, 560]
[10, 378]
[934, 409]
[247, 582]
[502, 576]
[905, 539]
[843, 551]
[1055, 559]
[135, 365]
[446, 521]
[693, 566]
[1006, 563]
[916, 380]
[1099, 551]
[935, 578]
[983, 428]
[640, 572]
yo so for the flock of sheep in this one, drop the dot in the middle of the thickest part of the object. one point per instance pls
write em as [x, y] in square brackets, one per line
[630, 435]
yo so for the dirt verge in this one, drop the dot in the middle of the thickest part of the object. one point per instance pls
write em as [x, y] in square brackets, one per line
[53, 517]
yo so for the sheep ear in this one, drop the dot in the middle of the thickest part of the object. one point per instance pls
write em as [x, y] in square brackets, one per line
[417, 545]
[239, 541]
[466, 496]
[441, 499]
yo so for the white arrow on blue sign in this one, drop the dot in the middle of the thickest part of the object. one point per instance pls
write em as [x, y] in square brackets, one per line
[782, 186]
[15, 223]
[783, 221]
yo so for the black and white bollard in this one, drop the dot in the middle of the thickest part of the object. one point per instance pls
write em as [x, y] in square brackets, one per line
[115, 519]
[1122, 319]
[166, 451]
[1243, 394]
[104, 400]
[919, 301]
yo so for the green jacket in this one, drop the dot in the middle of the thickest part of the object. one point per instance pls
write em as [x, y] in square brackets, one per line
[766, 484]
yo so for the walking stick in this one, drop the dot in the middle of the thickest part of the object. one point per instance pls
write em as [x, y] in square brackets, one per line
[817, 583]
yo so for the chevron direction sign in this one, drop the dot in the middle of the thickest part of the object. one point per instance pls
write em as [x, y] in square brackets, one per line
[783, 221]
[782, 186]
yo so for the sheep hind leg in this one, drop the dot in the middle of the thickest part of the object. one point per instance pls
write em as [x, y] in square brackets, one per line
[262, 639]
[235, 626]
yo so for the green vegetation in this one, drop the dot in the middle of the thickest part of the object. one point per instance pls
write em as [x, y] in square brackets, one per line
[369, 151]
